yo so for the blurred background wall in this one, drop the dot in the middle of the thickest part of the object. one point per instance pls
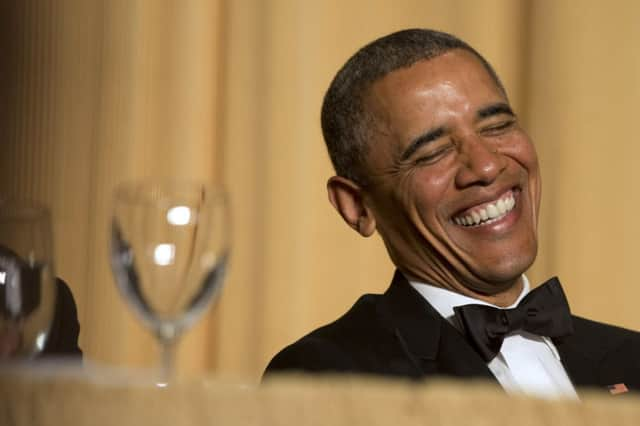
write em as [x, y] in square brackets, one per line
[93, 93]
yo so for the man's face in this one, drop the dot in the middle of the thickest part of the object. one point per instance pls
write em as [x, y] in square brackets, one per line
[454, 181]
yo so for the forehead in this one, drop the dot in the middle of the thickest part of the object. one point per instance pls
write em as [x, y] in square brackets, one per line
[457, 65]
[433, 90]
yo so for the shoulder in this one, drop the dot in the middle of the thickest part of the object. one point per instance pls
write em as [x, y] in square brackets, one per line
[605, 338]
[594, 329]
[338, 346]
[64, 331]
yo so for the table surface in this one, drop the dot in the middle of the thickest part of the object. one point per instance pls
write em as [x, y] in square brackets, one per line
[70, 394]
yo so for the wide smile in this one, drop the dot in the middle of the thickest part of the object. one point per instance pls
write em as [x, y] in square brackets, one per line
[489, 212]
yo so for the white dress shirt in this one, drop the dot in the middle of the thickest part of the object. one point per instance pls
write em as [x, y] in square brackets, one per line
[526, 364]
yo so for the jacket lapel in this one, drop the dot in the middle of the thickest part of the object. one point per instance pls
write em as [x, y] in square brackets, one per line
[581, 367]
[431, 344]
[595, 357]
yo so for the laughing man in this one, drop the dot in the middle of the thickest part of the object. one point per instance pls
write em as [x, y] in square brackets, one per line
[429, 154]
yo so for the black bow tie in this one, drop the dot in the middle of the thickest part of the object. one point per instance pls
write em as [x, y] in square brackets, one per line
[544, 311]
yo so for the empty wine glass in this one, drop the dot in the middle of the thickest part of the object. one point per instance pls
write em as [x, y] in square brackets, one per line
[27, 281]
[169, 249]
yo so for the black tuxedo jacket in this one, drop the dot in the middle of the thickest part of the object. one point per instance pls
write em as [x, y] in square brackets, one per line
[399, 333]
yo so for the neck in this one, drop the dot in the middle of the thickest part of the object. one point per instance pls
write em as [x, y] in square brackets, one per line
[502, 298]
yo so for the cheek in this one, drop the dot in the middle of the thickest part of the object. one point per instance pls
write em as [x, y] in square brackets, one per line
[521, 149]
[428, 191]
[528, 159]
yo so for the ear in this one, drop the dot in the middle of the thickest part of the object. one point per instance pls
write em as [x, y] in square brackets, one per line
[346, 197]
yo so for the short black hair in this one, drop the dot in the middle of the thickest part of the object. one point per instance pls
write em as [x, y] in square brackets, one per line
[346, 125]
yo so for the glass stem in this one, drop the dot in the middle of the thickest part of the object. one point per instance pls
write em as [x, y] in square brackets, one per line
[167, 360]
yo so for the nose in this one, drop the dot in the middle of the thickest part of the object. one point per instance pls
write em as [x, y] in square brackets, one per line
[480, 162]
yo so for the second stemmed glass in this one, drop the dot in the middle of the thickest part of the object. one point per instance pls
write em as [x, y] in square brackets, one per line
[169, 250]
[27, 281]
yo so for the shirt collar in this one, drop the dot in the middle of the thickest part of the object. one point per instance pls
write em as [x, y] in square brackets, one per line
[444, 300]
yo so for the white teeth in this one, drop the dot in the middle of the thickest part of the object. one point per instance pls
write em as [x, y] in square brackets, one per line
[488, 213]
[493, 211]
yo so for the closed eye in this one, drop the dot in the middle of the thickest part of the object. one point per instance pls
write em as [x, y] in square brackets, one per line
[434, 155]
[498, 128]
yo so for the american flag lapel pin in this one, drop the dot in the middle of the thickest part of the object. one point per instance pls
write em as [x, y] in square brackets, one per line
[618, 388]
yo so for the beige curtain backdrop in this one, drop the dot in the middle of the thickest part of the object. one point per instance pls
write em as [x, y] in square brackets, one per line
[98, 92]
